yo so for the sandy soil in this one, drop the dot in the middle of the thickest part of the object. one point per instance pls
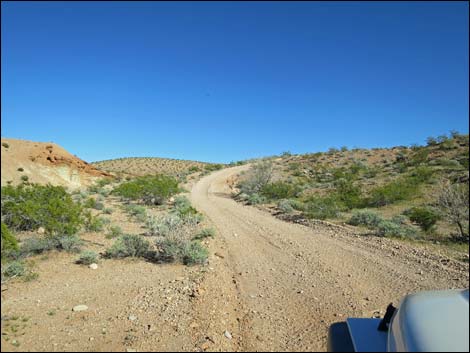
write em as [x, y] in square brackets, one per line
[268, 285]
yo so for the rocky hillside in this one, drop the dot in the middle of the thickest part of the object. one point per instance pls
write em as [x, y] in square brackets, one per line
[406, 191]
[139, 166]
[44, 162]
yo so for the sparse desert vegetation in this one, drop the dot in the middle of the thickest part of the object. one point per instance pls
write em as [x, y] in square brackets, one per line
[143, 166]
[418, 192]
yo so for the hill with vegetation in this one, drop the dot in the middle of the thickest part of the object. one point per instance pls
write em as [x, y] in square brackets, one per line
[141, 166]
[415, 192]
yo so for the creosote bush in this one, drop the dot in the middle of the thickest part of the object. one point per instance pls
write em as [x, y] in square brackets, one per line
[425, 217]
[151, 190]
[28, 207]
[87, 257]
[128, 245]
[365, 218]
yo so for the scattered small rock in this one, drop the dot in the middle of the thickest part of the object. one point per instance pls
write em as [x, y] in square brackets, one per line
[228, 335]
[80, 308]
[93, 266]
[132, 317]
[41, 230]
[219, 255]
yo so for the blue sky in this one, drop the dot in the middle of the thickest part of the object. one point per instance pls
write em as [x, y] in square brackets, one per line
[223, 81]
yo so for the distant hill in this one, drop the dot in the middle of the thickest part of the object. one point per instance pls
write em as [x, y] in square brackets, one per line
[44, 162]
[138, 166]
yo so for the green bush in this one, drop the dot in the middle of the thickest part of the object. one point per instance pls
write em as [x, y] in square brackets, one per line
[114, 232]
[149, 189]
[397, 190]
[205, 233]
[139, 212]
[285, 206]
[129, 245]
[422, 174]
[87, 257]
[93, 223]
[425, 217]
[6, 145]
[279, 190]
[348, 194]
[35, 245]
[9, 242]
[322, 207]
[189, 253]
[391, 229]
[194, 253]
[213, 167]
[183, 207]
[28, 207]
[255, 199]
[13, 269]
[365, 218]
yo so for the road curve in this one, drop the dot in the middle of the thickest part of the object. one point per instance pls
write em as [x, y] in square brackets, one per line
[277, 286]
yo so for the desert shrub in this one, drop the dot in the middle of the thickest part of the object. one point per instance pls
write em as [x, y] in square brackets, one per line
[194, 253]
[348, 194]
[213, 167]
[285, 206]
[183, 207]
[397, 190]
[93, 223]
[28, 207]
[194, 169]
[365, 218]
[152, 190]
[13, 269]
[128, 245]
[102, 182]
[445, 162]
[453, 202]
[139, 212]
[187, 252]
[20, 169]
[107, 210]
[24, 178]
[332, 150]
[255, 199]
[258, 176]
[399, 219]
[90, 203]
[388, 228]
[425, 217]
[419, 156]
[205, 233]
[36, 245]
[279, 190]
[9, 242]
[6, 145]
[87, 257]
[69, 243]
[431, 141]
[422, 174]
[114, 231]
[163, 225]
[322, 207]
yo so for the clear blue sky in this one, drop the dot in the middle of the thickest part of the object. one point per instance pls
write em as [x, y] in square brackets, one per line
[223, 81]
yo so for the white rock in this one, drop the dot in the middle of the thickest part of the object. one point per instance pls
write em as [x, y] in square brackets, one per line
[41, 230]
[132, 317]
[228, 335]
[93, 266]
[80, 308]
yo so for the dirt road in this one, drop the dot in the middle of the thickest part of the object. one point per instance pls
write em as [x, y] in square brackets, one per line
[268, 285]
[278, 286]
